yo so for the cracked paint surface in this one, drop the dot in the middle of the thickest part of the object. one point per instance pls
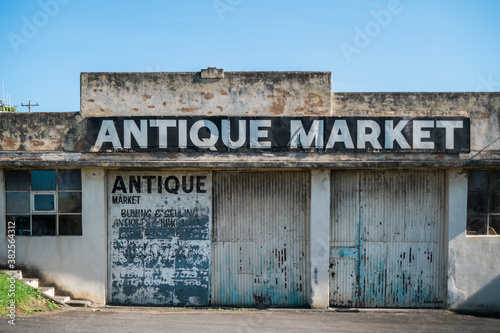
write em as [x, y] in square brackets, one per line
[160, 237]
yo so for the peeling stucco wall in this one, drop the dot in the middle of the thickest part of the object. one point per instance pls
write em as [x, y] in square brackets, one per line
[75, 265]
[187, 94]
[473, 261]
[483, 108]
[59, 138]
[41, 132]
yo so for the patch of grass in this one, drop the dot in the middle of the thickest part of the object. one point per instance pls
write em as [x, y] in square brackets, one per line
[28, 299]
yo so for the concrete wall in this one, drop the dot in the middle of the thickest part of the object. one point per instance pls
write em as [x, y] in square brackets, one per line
[41, 132]
[75, 265]
[189, 94]
[483, 109]
[320, 238]
[59, 138]
[473, 261]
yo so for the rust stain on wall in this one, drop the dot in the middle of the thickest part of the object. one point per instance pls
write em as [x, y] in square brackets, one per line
[314, 100]
[191, 109]
[146, 96]
[223, 92]
[9, 142]
[280, 90]
[37, 143]
[278, 107]
[208, 96]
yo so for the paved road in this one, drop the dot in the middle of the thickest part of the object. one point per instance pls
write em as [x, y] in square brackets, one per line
[111, 320]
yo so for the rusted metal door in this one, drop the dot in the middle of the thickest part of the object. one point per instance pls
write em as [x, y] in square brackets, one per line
[260, 238]
[387, 239]
[159, 236]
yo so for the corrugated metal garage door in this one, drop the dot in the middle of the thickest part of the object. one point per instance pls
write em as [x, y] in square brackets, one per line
[387, 239]
[260, 238]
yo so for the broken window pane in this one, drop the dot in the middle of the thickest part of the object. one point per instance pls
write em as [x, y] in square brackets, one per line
[22, 224]
[43, 180]
[18, 202]
[70, 225]
[476, 224]
[44, 202]
[17, 180]
[494, 227]
[70, 202]
[69, 180]
[43, 225]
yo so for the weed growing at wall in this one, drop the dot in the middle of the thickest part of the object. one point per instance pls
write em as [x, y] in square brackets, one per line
[28, 299]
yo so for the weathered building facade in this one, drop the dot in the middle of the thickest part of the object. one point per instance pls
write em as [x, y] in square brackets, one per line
[257, 189]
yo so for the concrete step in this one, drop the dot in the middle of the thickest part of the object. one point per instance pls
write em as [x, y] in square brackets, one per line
[18, 274]
[49, 291]
[30, 282]
[79, 303]
[62, 299]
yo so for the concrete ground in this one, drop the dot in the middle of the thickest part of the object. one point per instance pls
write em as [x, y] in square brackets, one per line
[151, 320]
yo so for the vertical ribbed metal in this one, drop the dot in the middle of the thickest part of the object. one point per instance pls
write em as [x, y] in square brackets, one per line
[345, 215]
[260, 238]
[398, 251]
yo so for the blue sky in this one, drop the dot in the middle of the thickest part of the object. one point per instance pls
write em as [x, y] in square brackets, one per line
[368, 45]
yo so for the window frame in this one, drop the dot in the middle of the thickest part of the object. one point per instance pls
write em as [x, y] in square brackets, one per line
[489, 193]
[54, 212]
[43, 212]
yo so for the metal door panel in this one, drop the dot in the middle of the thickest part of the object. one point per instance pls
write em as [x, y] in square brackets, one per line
[398, 249]
[261, 228]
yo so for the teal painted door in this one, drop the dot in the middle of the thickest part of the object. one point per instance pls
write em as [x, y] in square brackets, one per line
[387, 239]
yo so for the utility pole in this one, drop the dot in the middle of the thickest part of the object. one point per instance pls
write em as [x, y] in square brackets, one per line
[29, 105]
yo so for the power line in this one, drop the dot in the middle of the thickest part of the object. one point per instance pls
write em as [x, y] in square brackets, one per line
[29, 105]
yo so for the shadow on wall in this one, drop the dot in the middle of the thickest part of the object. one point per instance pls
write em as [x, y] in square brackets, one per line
[486, 300]
[30, 271]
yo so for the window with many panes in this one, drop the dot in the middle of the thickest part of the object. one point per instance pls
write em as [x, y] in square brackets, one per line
[44, 202]
[483, 202]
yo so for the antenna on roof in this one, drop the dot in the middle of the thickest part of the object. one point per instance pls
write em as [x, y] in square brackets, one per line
[29, 105]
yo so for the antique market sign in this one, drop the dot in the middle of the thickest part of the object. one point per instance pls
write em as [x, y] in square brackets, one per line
[285, 134]
[160, 230]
